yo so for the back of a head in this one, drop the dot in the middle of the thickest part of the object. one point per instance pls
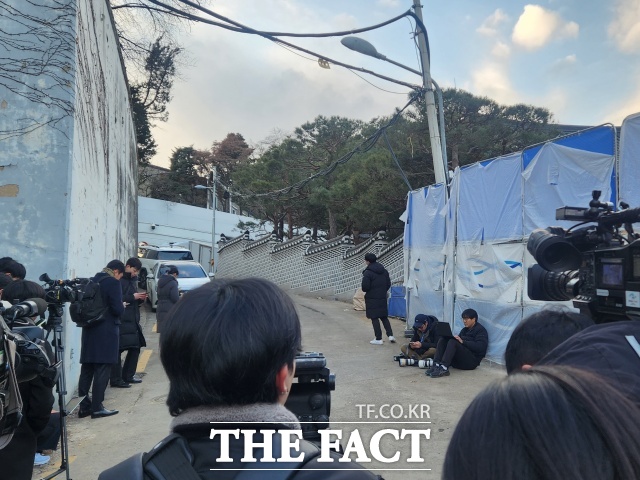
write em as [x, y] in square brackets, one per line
[546, 423]
[370, 257]
[21, 290]
[15, 269]
[116, 265]
[223, 343]
[540, 333]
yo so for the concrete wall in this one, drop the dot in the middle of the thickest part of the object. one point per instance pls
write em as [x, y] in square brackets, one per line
[161, 222]
[67, 145]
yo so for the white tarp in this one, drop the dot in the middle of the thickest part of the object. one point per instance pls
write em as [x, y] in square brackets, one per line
[629, 165]
[490, 200]
[561, 176]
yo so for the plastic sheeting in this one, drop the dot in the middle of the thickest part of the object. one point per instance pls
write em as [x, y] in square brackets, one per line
[629, 166]
[468, 251]
[561, 176]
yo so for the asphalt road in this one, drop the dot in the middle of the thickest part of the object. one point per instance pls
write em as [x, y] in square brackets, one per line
[369, 387]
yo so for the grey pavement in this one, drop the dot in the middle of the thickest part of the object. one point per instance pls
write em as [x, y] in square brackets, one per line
[365, 375]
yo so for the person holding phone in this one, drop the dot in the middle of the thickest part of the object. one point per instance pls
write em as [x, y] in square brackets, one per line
[423, 342]
[131, 336]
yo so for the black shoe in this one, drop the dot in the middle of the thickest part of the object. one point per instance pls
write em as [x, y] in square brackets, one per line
[133, 380]
[121, 384]
[439, 372]
[83, 413]
[103, 413]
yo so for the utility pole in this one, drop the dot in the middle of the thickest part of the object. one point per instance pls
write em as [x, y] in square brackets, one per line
[439, 165]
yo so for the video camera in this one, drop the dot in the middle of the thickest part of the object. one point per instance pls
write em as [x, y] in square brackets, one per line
[58, 292]
[596, 266]
[310, 397]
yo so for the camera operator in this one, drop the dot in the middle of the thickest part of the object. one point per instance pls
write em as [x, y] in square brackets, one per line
[16, 459]
[228, 349]
[100, 344]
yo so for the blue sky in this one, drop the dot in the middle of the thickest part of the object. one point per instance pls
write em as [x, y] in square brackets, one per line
[579, 58]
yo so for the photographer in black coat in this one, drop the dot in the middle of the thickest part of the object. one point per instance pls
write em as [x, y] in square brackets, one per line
[100, 344]
[16, 459]
[375, 285]
[131, 336]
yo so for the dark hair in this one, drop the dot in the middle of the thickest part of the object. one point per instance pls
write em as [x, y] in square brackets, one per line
[540, 333]
[224, 343]
[4, 261]
[370, 257]
[5, 280]
[134, 262]
[116, 265]
[14, 269]
[556, 423]
[171, 269]
[21, 290]
[470, 313]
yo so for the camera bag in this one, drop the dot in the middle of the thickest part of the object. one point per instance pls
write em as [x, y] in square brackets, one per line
[89, 308]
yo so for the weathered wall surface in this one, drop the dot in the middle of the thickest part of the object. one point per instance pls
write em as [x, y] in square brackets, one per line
[332, 268]
[67, 144]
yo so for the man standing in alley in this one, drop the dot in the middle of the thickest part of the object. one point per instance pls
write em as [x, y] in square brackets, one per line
[375, 285]
[100, 343]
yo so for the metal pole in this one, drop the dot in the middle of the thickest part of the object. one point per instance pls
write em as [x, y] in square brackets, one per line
[439, 168]
[213, 225]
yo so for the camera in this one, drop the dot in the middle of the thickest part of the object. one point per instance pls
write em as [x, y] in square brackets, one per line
[407, 362]
[426, 363]
[310, 397]
[58, 292]
[596, 266]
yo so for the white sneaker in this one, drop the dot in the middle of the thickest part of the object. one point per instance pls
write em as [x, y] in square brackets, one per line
[41, 459]
[392, 339]
[376, 342]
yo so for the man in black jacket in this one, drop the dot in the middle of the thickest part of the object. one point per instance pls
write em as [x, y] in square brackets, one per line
[100, 344]
[375, 285]
[463, 351]
[424, 340]
[131, 337]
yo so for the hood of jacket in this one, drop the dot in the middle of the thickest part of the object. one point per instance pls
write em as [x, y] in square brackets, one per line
[375, 267]
[165, 279]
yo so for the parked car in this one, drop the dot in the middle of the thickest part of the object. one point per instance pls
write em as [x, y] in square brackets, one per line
[150, 254]
[190, 275]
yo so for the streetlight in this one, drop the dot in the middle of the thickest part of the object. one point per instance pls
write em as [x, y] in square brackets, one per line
[436, 129]
[212, 189]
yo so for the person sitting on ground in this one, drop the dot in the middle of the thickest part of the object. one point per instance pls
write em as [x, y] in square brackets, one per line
[213, 383]
[540, 333]
[424, 340]
[463, 351]
[168, 295]
[551, 423]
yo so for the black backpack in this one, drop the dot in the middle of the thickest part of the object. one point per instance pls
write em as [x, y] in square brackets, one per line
[89, 308]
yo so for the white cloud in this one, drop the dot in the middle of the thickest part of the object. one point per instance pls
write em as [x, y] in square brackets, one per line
[490, 25]
[537, 26]
[624, 29]
[492, 80]
[389, 3]
[620, 110]
[501, 50]
[563, 65]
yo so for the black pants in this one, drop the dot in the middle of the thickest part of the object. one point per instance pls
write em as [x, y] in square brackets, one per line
[376, 327]
[125, 371]
[48, 439]
[98, 374]
[451, 353]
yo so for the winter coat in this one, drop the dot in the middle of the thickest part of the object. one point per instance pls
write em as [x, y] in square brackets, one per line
[100, 343]
[475, 339]
[130, 331]
[375, 285]
[195, 424]
[428, 338]
[168, 295]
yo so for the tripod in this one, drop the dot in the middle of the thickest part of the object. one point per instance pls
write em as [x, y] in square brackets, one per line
[54, 324]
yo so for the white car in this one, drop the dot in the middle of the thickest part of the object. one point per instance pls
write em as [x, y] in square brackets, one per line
[190, 275]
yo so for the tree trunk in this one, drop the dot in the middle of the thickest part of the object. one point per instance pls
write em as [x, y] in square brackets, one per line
[333, 227]
[454, 156]
[290, 222]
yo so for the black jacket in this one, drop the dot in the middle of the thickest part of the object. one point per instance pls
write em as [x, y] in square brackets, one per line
[429, 338]
[100, 342]
[375, 283]
[168, 295]
[475, 339]
[130, 330]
